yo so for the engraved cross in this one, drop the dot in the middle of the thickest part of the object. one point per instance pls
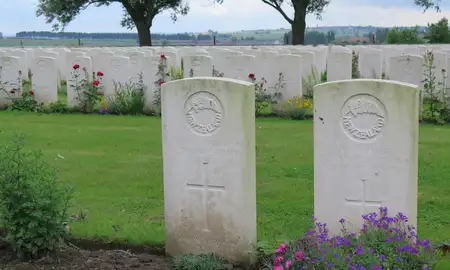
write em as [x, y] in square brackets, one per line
[205, 188]
[363, 202]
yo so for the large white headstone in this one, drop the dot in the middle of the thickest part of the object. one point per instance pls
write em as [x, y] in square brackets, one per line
[365, 150]
[208, 127]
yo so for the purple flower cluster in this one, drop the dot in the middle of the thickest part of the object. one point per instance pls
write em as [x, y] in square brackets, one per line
[383, 242]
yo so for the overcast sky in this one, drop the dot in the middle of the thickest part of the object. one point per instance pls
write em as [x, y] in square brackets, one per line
[233, 15]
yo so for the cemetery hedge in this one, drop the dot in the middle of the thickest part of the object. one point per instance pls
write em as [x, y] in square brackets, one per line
[115, 166]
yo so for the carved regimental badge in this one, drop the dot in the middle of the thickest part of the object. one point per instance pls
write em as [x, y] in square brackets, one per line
[204, 113]
[363, 117]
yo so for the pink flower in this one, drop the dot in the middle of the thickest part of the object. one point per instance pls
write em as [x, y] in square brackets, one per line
[288, 263]
[278, 267]
[278, 250]
[283, 246]
[279, 259]
[299, 255]
[100, 74]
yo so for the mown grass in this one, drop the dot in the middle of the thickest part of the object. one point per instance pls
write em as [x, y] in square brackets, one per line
[115, 165]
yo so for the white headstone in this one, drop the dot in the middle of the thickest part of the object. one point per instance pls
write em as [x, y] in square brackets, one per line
[10, 79]
[371, 63]
[197, 66]
[238, 67]
[407, 69]
[289, 70]
[339, 65]
[45, 79]
[365, 150]
[208, 127]
[117, 72]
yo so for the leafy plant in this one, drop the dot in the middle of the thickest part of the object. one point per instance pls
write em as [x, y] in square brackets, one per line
[128, 98]
[56, 107]
[20, 100]
[33, 202]
[216, 73]
[296, 108]
[309, 82]
[324, 77]
[434, 92]
[383, 242]
[161, 76]
[355, 65]
[23, 101]
[176, 73]
[198, 262]
[264, 98]
[87, 92]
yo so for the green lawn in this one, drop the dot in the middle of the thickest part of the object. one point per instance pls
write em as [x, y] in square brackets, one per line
[115, 165]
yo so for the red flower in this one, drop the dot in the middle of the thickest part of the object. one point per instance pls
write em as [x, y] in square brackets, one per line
[161, 82]
[96, 83]
[251, 75]
[12, 92]
[163, 56]
[76, 66]
[100, 74]
[31, 92]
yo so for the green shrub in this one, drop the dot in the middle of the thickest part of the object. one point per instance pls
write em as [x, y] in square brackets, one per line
[198, 262]
[355, 65]
[128, 98]
[297, 108]
[56, 107]
[33, 202]
[176, 73]
[309, 82]
[23, 101]
[324, 77]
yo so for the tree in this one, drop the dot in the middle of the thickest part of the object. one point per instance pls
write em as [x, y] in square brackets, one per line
[301, 8]
[438, 32]
[381, 34]
[331, 36]
[137, 13]
[404, 36]
[428, 4]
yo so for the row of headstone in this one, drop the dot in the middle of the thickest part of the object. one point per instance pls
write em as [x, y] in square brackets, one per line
[365, 157]
[294, 62]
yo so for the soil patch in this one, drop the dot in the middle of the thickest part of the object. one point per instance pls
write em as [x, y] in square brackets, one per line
[76, 258]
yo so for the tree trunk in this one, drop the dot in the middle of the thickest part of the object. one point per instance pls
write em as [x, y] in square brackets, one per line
[298, 27]
[144, 35]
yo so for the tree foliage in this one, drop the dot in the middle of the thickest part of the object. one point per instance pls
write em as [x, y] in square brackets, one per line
[428, 4]
[404, 36]
[62, 12]
[438, 32]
